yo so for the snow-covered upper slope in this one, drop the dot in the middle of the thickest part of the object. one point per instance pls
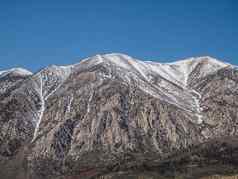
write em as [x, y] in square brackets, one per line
[177, 72]
[205, 65]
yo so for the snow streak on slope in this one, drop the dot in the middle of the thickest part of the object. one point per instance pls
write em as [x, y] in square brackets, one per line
[184, 67]
[71, 98]
[51, 79]
[197, 98]
[41, 112]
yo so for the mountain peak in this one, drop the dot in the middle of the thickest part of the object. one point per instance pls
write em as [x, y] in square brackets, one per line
[117, 55]
[201, 65]
[16, 71]
[202, 59]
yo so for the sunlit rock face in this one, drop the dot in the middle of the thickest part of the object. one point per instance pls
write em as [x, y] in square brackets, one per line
[112, 113]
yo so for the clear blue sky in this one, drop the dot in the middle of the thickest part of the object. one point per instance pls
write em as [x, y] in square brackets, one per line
[34, 34]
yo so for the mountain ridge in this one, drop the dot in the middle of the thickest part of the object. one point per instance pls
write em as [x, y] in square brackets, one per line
[120, 54]
[112, 113]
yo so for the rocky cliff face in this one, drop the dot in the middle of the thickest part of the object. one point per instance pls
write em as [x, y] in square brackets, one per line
[113, 113]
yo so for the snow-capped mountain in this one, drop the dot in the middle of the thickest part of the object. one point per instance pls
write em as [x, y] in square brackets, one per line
[112, 113]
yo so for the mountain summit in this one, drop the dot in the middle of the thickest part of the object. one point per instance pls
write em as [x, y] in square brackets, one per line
[112, 113]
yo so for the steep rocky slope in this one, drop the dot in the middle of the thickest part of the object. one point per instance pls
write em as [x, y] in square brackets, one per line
[113, 113]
